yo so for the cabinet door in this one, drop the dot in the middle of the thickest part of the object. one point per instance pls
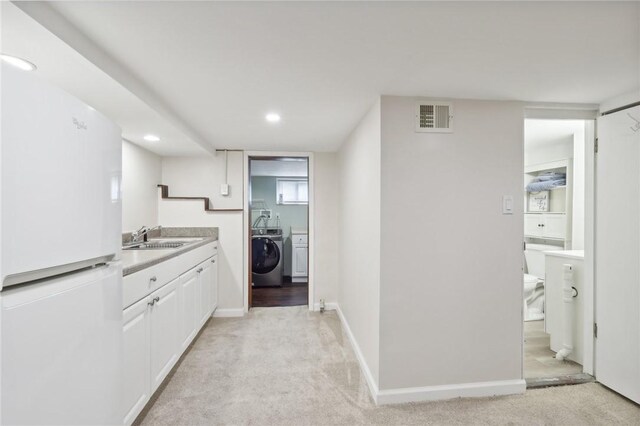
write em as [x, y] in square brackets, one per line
[205, 277]
[532, 225]
[137, 387]
[555, 226]
[165, 331]
[299, 265]
[214, 283]
[189, 313]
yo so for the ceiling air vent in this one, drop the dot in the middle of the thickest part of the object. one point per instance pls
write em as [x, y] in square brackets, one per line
[434, 117]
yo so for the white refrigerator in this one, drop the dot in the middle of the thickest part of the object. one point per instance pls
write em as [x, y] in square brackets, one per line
[61, 280]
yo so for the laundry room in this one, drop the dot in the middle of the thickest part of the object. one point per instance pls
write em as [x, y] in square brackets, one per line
[279, 200]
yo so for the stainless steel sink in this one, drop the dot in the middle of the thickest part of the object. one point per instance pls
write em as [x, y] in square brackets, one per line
[156, 246]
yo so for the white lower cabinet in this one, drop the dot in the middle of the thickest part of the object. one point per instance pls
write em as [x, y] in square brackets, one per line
[208, 282]
[189, 292]
[214, 283]
[300, 254]
[151, 346]
[205, 278]
[165, 329]
[137, 389]
[158, 328]
[299, 257]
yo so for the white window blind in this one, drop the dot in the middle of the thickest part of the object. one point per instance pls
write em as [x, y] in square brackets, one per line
[292, 191]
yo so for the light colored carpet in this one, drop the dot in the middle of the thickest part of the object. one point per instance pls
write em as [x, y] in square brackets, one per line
[539, 359]
[289, 366]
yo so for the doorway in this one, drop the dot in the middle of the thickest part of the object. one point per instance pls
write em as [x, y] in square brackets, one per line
[558, 284]
[278, 231]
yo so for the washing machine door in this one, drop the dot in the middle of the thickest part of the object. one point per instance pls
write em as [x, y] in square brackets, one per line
[265, 254]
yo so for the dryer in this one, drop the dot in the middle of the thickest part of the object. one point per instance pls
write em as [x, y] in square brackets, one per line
[267, 262]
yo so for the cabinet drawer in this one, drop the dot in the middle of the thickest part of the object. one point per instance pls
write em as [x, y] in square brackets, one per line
[299, 239]
[140, 284]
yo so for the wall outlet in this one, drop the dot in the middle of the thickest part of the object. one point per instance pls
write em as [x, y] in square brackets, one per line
[224, 189]
[266, 213]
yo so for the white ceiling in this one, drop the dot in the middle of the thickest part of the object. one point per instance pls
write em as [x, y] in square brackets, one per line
[223, 65]
[66, 68]
[546, 132]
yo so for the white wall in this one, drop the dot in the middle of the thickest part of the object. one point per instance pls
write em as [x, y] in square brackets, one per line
[359, 276]
[560, 149]
[141, 173]
[201, 177]
[451, 262]
[327, 241]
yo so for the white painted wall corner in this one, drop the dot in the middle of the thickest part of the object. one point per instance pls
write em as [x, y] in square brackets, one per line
[373, 387]
[428, 393]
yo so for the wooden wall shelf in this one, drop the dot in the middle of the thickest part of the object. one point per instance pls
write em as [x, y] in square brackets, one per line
[207, 201]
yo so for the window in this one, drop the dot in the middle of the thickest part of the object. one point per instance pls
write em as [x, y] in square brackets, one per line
[292, 191]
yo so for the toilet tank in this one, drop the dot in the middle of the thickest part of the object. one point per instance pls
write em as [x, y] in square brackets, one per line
[534, 256]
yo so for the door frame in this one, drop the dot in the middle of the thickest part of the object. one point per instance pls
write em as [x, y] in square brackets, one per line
[588, 113]
[247, 220]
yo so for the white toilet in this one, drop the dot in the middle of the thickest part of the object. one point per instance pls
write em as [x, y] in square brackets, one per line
[534, 281]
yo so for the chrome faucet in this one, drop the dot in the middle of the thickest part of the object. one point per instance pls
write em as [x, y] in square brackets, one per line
[142, 232]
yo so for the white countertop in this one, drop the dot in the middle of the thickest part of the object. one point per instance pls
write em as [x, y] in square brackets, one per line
[299, 231]
[135, 260]
[134, 257]
[570, 254]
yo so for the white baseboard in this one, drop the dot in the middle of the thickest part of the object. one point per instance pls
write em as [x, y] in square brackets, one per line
[226, 313]
[328, 306]
[428, 393]
[373, 387]
[464, 390]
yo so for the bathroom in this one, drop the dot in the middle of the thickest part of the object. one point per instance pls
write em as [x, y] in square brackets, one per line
[279, 200]
[557, 167]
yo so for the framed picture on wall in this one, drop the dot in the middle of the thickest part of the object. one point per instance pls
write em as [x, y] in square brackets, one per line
[539, 201]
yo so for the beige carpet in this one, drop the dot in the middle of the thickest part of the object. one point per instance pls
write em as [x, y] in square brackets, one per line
[289, 366]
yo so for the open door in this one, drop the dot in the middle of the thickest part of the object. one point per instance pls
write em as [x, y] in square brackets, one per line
[617, 253]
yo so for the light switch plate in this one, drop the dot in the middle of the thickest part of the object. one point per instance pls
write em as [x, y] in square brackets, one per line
[507, 204]
[224, 189]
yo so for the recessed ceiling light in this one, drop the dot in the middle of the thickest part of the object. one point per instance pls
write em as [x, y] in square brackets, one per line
[20, 63]
[151, 138]
[272, 117]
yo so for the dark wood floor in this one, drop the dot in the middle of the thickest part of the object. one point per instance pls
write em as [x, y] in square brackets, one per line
[290, 294]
